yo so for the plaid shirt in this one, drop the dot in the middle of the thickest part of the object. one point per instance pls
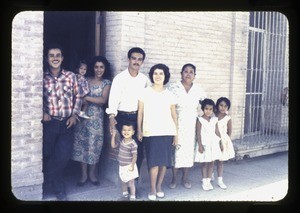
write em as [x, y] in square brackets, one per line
[61, 96]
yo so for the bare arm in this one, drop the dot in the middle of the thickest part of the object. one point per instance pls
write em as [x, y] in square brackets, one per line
[112, 122]
[217, 130]
[229, 127]
[174, 116]
[99, 100]
[113, 139]
[140, 121]
[219, 135]
[134, 158]
[198, 129]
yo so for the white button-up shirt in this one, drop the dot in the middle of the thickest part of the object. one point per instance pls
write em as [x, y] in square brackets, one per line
[125, 91]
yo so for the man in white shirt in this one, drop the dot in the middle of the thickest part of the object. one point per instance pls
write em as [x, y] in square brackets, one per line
[123, 98]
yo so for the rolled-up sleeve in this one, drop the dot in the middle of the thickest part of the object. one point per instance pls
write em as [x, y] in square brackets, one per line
[114, 96]
[77, 97]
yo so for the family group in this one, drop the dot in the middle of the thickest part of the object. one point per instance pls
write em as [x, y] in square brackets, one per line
[174, 124]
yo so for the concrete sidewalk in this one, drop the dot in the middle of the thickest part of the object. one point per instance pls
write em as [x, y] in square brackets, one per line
[262, 178]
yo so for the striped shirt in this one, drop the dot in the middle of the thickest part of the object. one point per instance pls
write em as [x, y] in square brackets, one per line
[126, 152]
[61, 96]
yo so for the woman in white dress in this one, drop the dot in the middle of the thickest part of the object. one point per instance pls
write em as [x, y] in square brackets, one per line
[187, 96]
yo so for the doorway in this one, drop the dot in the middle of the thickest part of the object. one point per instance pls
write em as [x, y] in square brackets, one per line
[79, 35]
[74, 31]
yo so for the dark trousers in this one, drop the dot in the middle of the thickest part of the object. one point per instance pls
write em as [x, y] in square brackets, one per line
[132, 119]
[57, 150]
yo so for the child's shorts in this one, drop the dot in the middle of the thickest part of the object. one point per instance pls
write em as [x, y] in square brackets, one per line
[127, 175]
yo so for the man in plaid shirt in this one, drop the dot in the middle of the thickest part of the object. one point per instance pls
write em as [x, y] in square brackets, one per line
[61, 105]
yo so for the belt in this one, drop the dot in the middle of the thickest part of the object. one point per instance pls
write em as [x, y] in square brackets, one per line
[127, 113]
[58, 118]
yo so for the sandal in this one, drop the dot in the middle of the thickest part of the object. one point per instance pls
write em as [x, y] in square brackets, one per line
[187, 185]
[82, 183]
[172, 185]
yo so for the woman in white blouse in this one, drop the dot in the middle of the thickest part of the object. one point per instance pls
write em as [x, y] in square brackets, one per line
[157, 127]
[187, 95]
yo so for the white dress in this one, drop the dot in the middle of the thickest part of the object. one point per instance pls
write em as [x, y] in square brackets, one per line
[187, 109]
[228, 149]
[210, 141]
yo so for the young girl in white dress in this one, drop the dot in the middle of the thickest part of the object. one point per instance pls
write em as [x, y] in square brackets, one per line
[208, 138]
[225, 129]
[81, 72]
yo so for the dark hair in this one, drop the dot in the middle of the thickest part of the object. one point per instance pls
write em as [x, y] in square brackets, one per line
[53, 45]
[136, 50]
[189, 65]
[95, 59]
[162, 67]
[207, 101]
[82, 61]
[226, 100]
[129, 124]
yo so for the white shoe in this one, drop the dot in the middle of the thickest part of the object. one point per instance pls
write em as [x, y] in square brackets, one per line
[151, 197]
[221, 184]
[210, 187]
[125, 194]
[160, 194]
[132, 197]
[205, 187]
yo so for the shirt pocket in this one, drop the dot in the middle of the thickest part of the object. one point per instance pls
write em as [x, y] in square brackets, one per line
[49, 91]
[67, 92]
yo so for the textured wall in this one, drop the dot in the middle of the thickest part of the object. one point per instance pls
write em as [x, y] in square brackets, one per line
[27, 75]
[215, 42]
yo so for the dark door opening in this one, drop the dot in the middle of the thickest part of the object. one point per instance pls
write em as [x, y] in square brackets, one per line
[75, 32]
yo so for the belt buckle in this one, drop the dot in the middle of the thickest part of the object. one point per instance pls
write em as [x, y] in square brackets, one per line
[57, 118]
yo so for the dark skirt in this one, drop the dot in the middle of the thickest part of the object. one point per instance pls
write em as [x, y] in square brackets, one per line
[158, 150]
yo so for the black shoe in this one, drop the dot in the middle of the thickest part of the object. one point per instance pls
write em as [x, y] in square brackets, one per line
[96, 183]
[45, 196]
[61, 196]
[47, 191]
[82, 183]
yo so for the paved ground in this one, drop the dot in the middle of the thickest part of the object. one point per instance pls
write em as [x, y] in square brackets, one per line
[256, 179]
